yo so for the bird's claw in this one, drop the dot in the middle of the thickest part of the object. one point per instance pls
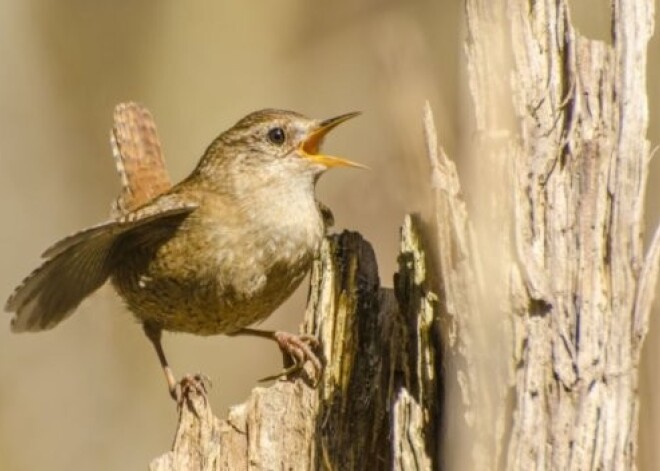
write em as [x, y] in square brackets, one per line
[189, 385]
[298, 348]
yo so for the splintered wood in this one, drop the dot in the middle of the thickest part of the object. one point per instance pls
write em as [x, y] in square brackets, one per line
[565, 130]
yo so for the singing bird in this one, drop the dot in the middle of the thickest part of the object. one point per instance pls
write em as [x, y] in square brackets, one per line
[211, 255]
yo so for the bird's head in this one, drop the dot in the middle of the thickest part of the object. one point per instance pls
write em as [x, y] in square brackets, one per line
[274, 144]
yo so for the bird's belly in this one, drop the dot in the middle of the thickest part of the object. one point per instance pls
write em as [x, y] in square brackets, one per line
[213, 295]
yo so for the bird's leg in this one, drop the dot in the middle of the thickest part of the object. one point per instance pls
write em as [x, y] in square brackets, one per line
[154, 334]
[297, 348]
[177, 389]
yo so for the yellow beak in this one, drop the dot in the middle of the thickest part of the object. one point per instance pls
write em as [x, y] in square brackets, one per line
[309, 148]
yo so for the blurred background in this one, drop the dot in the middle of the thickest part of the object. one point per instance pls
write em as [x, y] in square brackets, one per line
[90, 394]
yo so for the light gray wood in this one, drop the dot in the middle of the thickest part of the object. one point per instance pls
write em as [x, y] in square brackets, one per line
[561, 125]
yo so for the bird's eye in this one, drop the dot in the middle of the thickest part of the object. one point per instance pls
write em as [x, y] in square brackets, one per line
[276, 136]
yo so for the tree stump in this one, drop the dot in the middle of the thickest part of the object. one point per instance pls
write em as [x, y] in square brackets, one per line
[376, 398]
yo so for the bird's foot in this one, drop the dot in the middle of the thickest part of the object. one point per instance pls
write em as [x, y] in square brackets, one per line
[297, 349]
[189, 386]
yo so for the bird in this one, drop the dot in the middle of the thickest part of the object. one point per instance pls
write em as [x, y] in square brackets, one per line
[213, 254]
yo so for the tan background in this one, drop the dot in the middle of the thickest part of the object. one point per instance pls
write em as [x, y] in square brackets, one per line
[89, 395]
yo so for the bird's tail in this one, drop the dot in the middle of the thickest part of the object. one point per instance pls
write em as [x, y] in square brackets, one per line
[138, 157]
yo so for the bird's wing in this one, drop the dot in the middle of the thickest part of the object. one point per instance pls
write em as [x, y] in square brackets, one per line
[79, 264]
[167, 205]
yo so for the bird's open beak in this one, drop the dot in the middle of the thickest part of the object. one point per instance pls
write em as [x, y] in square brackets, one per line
[310, 147]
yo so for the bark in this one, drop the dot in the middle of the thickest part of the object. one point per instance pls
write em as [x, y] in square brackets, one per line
[571, 161]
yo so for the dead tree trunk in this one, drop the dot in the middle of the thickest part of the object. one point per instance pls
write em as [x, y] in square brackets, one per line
[570, 162]
[542, 297]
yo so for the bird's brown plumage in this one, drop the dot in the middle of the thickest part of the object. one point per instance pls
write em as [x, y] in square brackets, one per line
[213, 254]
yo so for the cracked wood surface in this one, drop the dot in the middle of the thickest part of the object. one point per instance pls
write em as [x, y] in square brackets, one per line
[574, 155]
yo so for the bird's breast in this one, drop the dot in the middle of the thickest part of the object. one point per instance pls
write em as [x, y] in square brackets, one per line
[221, 272]
[276, 247]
